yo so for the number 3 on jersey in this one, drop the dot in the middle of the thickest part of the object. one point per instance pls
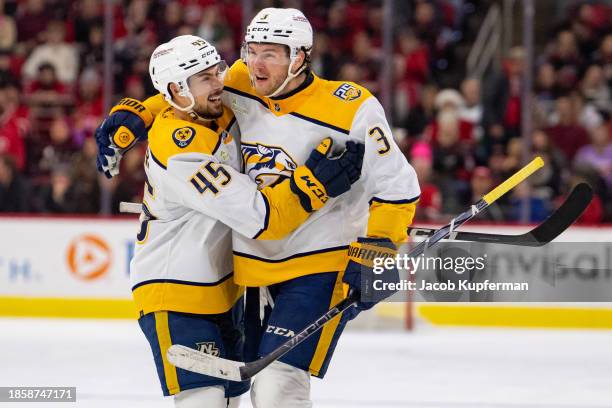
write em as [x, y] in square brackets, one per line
[377, 133]
[206, 178]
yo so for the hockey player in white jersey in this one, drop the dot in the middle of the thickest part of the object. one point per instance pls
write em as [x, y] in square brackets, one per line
[181, 273]
[283, 109]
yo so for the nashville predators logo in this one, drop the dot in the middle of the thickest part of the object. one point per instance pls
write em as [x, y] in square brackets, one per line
[347, 92]
[209, 347]
[183, 136]
[265, 164]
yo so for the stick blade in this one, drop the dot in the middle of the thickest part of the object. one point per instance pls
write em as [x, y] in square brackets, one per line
[130, 208]
[572, 208]
[202, 363]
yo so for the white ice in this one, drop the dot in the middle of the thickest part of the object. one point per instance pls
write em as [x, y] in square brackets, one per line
[110, 364]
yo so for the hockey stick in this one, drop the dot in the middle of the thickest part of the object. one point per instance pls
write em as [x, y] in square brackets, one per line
[573, 206]
[196, 361]
[130, 208]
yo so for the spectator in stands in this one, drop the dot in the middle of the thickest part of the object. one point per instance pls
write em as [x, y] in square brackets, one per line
[11, 133]
[546, 92]
[14, 105]
[502, 100]
[351, 72]
[8, 30]
[472, 109]
[430, 202]
[567, 134]
[368, 59]
[134, 88]
[603, 57]
[55, 51]
[426, 25]
[513, 158]
[88, 111]
[540, 208]
[14, 188]
[452, 161]
[88, 15]
[566, 60]
[595, 89]
[32, 20]
[548, 180]
[92, 54]
[46, 89]
[6, 65]
[324, 60]
[588, 115]
[414, 58]
[423, 113]
[212, 25]
[56, 197]
[129, 187]
[589, 24]
[597, 154]
[452, 101]
[61, 147]
[171, 21]
[480, 184]
[338, 30]
[85, 188]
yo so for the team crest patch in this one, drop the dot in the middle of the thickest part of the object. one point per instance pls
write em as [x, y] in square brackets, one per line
[347, 92]
[265, 164]
[183, 136]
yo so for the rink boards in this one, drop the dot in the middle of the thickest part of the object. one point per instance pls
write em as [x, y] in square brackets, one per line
[79, 267]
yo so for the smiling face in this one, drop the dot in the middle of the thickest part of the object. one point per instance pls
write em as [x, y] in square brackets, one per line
[206, 87]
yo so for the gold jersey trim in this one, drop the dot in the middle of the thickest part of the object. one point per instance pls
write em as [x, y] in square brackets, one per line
[250, 270]
[187, 297]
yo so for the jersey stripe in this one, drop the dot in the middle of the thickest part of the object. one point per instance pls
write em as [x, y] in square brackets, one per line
[246, 95]
[320, 123]
[405, 201]
[160, 164]
[302, 254]
[182, 282]
[267, 220]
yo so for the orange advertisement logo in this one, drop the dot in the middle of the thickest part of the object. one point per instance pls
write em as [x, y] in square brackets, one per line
[88, 257]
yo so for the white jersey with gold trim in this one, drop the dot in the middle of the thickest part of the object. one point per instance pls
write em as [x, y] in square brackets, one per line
[194, 198]
[278, 134]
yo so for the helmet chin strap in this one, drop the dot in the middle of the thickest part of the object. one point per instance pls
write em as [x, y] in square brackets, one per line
[290, 76]
[189, 109]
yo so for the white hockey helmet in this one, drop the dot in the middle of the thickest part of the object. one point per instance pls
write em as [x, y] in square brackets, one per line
[285, 26]
[177, 60]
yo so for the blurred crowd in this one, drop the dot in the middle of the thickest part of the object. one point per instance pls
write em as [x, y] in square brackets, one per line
[462, 135]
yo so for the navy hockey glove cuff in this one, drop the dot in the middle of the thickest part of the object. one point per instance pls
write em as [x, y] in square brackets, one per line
[127, 122]
[366, 265]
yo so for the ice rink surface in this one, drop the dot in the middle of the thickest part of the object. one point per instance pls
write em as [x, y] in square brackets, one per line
[110, 364]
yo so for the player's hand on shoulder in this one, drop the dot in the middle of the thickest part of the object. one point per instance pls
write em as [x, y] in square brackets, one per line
[324, 175]
[366, 265]
[126, 123]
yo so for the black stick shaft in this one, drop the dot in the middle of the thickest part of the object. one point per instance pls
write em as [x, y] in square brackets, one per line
[252, 368]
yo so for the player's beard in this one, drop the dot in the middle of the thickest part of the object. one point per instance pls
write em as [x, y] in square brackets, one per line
[208, 111]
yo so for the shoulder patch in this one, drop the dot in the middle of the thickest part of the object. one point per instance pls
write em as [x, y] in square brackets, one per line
[347, 92]
[183, 136]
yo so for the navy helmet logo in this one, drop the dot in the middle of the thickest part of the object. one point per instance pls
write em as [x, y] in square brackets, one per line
[183, 136]
[347, 92]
